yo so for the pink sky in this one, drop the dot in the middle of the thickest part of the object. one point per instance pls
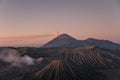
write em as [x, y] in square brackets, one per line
[28, 22]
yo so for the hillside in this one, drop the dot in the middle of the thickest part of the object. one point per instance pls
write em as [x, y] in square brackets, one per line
[90, 56]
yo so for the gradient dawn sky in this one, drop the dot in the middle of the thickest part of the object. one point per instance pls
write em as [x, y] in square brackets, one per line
[34, 22]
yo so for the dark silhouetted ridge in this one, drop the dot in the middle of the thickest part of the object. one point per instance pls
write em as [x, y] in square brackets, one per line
[101, 43]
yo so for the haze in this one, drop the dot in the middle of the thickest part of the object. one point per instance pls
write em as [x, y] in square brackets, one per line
[33, 22]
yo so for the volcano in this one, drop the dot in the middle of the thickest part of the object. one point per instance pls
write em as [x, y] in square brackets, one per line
[90, 56]
[62, 70]
[61, 41]
[66, 41]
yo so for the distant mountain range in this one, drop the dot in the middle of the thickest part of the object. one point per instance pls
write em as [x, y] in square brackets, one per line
[66, 41]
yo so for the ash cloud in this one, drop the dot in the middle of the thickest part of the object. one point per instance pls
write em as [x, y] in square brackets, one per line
[13, 57]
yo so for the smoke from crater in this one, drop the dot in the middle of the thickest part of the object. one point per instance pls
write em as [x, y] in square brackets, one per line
[13, 57]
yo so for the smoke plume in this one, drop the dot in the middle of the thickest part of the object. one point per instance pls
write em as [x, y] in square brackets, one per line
[12, 56]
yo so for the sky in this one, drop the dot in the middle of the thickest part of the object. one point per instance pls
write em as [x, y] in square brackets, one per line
[34, 22]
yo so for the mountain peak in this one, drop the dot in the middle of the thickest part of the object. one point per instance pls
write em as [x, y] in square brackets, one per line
[62, 40]
[61, 36]
[91, 39]
[64, 34]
